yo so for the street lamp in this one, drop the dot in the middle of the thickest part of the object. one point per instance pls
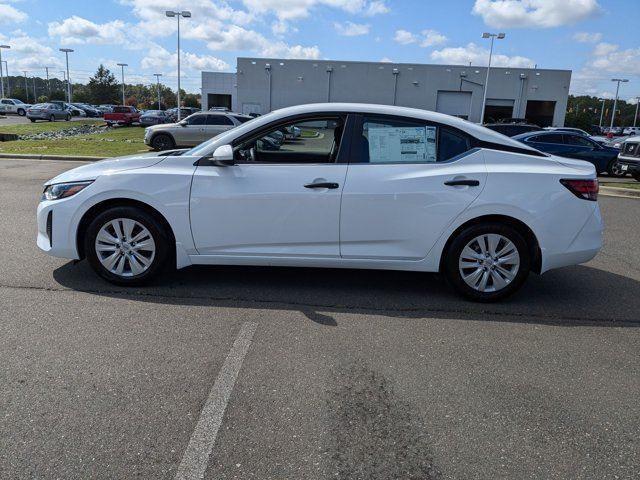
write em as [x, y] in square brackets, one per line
[122, 65]
[67, 51]
[635, 117]
[158, 75]
[185, 14]
[602, 112]
[6, 70]
[615, 102]
[48, 84]
[1, 74]
[26, 86]
[492, 36]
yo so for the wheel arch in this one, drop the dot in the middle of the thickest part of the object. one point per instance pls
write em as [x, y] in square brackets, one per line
[162, 132]
[105, 205]
[521, 227]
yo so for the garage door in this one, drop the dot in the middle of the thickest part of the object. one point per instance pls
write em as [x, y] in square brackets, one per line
[454, 103]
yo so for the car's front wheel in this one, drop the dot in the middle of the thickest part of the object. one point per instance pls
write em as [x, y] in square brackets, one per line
[126, 245]
[615, 169]
[487, 262]
[52, 118]
[22, 112]
[162, 141]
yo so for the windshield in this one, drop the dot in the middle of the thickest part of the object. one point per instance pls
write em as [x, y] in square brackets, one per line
[205, 148]
[15, 100]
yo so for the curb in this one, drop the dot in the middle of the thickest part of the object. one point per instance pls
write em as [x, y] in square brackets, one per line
[27, 156]
[620, 192]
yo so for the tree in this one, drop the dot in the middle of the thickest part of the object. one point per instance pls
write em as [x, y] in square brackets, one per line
[191, 100]
[102, 87]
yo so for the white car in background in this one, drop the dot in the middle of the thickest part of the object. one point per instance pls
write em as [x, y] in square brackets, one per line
[363, 186]
[13, 105]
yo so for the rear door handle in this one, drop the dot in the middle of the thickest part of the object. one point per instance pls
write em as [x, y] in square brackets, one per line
[322, 185]
[466, 183]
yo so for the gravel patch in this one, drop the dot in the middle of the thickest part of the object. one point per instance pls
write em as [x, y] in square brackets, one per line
[65, 133]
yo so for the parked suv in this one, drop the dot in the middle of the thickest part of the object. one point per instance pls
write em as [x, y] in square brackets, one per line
[629, 157]
[13, 105]
[191, 131]
[513, 129]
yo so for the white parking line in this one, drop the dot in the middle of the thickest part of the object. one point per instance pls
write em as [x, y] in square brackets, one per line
[196, 456]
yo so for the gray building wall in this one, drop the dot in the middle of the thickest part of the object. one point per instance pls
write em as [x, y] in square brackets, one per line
[268, 84]
[219, 83]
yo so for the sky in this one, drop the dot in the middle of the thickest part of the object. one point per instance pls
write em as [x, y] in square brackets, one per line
[596, 39]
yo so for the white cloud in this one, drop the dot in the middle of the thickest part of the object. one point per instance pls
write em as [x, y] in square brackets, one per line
[302, 8]
[404, 37]
[386, 60]
[610, 58]
[432, 38]
[376, 7]
[586, 37]
[534, 13]
[77, 30]
[427, 38]
[9, 14]
[158, 58]
[478, 56]
[28, 53]
[604, 48]
[350, 29]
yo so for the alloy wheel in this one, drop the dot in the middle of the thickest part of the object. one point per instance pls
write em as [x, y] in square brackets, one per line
[125, 247]
[489, 262]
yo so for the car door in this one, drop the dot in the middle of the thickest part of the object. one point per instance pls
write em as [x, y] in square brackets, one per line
[582, 148]
[58, 112]
[274, 203]
[192, 130]
[408, 180]
[552, 143]
[216, 124]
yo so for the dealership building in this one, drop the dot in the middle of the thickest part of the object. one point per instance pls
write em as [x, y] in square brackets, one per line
[264, 84]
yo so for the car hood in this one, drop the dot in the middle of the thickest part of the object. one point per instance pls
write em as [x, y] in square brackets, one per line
[107, 167]
[164, 126]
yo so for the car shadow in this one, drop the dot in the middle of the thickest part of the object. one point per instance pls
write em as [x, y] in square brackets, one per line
[573, 296]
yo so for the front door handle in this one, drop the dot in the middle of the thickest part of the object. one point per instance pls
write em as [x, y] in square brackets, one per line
[322, 185]
[462, 182]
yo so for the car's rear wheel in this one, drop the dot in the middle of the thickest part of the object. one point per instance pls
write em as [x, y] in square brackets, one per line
[67, 118]
[162, 142]
[21, 112]
[33, 120]
[126, 245]
[615, 170]
[636, 175]
[52, 118]
[487, 262]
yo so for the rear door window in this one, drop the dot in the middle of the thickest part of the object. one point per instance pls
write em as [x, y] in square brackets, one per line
[218, 120]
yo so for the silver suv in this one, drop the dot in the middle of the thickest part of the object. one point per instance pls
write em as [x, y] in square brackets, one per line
[193, 130]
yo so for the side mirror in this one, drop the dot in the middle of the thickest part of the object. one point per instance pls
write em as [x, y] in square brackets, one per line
[223, 156]
[183, 123]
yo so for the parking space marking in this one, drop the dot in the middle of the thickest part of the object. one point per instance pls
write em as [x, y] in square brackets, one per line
[196, 456]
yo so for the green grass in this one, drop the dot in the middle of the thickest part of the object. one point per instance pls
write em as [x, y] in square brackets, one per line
[116, 142]
[38, 127]
[634, 185]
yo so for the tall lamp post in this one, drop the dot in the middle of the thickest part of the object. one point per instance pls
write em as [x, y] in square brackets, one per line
[185, 14]
[67, 51]
[635, 117]
[492, 36]
[26, 86]
[6, 70]
[2, 74]
[48, 84]
[122, 65]
[615, 102]
[602, 112]
[158, 75]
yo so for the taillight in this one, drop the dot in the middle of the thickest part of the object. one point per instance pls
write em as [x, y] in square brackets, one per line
[585, 189]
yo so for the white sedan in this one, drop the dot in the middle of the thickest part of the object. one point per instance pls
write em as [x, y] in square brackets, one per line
[362, 186]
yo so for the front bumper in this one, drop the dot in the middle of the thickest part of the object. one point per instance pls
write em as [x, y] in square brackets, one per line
[632, 163]
[56, 228]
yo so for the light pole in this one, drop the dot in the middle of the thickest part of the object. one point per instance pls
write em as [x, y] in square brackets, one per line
[1, 74]
[26, 86]
[122, 65]
[185, 14]
[158, 75]
[635, 117]
[492, 36]
[67, 51]
[6, 70]
[35, 96]
[602, 113]
[48, 84]
[615, 102]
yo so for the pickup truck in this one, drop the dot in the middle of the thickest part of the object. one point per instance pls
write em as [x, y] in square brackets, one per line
[13, 105]
[122, 116]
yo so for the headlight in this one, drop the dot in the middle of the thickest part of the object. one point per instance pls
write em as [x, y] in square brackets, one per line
[63, 190]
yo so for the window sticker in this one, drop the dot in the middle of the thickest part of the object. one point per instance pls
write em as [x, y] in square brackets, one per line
[402, 144]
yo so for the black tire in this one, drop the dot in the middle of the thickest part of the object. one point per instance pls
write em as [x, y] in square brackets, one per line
[636, 175]
[21, 112]
[162, 141]
[452, 256]
[67, 118]
[160, 236]
[613, 169]
[52, 118]
[33, 120]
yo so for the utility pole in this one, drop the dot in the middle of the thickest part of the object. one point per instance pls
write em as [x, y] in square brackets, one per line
[635, 117]
[6, 71]
[158, 75]
[615, 102]
[26, 87]
[602, 113]
[122, 65]
[35, 96]
[66, 53]
[48, 84]
[1, 74]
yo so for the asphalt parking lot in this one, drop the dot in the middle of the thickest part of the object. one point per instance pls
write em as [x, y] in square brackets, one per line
[324, 373]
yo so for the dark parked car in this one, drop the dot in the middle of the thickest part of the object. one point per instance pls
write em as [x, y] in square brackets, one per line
[574, 145]
[74, 111]
[88, 109]
[184, 113]
[513, 129]
[47, 111]
[154, 117]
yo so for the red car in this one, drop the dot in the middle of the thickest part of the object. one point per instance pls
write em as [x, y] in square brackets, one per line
[122, 115]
